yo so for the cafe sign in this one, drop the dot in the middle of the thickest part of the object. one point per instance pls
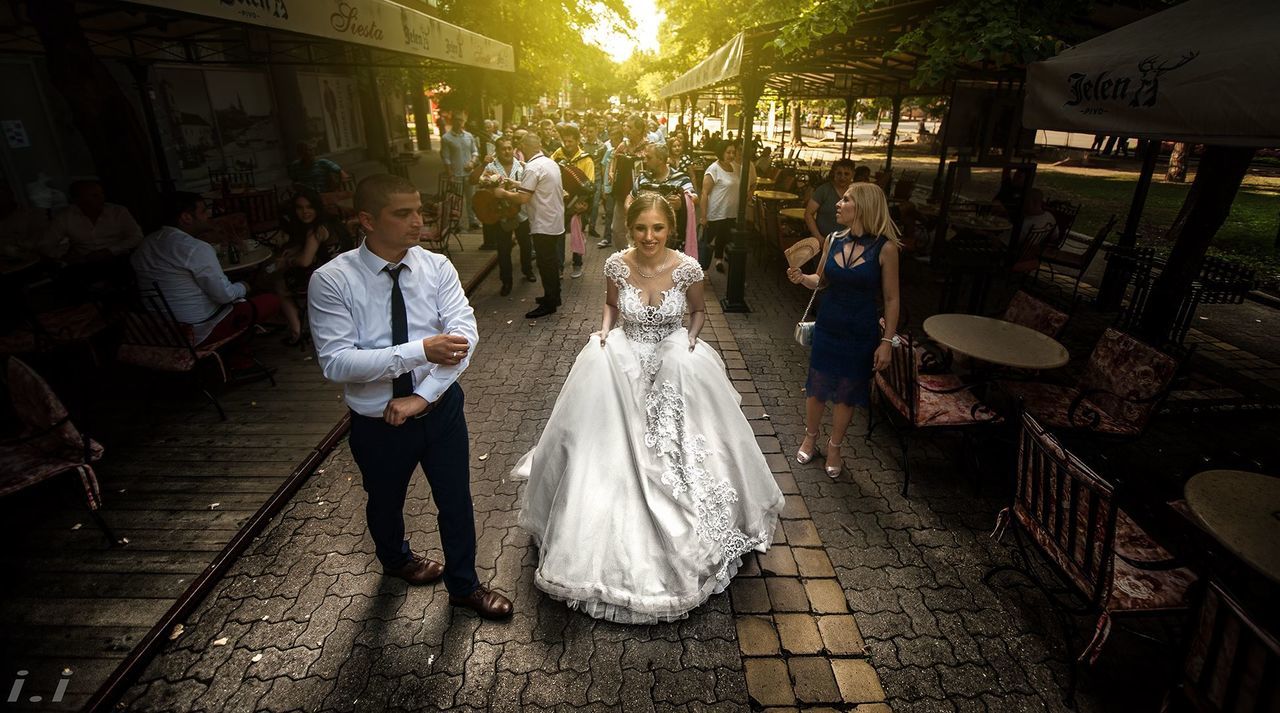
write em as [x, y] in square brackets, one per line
[377, 23]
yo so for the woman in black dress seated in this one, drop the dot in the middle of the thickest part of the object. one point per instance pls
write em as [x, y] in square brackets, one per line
[314, 238]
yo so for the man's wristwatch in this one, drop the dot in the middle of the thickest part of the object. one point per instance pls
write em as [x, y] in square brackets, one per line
[895, 342]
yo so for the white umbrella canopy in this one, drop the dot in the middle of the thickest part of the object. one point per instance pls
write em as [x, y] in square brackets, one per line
[1206, 71]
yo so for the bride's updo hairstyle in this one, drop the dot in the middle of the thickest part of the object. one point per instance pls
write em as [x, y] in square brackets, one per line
[649, 200]
[873, 211]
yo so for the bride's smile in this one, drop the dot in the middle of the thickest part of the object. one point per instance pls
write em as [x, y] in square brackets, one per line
[649, 235]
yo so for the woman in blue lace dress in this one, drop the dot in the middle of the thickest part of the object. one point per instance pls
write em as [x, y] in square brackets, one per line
[859, 263]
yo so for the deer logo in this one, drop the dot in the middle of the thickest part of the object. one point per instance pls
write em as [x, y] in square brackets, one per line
[1149, 82]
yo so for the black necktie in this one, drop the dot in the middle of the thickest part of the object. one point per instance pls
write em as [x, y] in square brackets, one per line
[402, 385]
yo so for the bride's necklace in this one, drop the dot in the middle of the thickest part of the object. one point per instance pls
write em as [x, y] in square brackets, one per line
[661, 269]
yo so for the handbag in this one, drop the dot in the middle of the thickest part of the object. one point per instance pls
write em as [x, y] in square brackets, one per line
[804, 328]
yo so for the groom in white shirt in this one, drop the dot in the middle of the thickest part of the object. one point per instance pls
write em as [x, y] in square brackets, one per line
[390, 320]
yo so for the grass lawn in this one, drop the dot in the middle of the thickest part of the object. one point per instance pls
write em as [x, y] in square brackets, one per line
[1248, 234]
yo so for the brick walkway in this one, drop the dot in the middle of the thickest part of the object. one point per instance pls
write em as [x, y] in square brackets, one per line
[306, 621]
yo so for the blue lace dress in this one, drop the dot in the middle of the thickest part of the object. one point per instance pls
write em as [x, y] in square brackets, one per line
[847, 329]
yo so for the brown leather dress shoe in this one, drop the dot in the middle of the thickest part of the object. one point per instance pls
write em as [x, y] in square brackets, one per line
[418, 570]
[484, 602]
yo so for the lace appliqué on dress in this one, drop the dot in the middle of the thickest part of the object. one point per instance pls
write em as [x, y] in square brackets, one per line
[684, 454]
[646, 325]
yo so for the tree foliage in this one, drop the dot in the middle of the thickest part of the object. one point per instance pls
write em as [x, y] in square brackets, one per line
[956, 33]
[548, 37]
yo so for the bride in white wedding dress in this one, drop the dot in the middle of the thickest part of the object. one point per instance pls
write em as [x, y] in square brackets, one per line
[647, 485]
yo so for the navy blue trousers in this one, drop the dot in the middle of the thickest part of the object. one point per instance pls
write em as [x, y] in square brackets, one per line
[387, 456]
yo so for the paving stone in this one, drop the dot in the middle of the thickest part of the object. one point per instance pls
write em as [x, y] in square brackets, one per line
[840, 635]
[787, 594]
[826, 596]
[799, 633]
[795, 508]
[813, 562]
[802, 533]
[769, 682]
[749, 596]
[857, 681]
[778, 562]
[757, 636]
[814, 680]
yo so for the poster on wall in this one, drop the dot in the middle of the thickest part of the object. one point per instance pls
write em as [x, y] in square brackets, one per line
[184, 105]
[243, 112]
[334, 109]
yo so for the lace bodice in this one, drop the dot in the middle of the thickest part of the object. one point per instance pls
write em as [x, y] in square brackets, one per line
[649, 324]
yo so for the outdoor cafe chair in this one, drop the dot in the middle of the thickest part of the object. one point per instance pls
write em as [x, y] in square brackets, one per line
[154, 339]
[1078, 258]
[1034, 313]
[444, 225]
[1111, 567]
[1030, 250]
[224, 179]
[49, 444]
[1231, 661]
[1124, 383]
[913, 401]
[261, 209]
[1064, 216]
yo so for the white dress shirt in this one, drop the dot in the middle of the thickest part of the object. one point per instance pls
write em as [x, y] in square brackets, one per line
[546, 207]
[189, 276]
[349, 302]
[72, 234]
[516, 173]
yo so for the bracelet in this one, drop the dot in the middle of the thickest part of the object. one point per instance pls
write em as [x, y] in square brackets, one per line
[886, 340]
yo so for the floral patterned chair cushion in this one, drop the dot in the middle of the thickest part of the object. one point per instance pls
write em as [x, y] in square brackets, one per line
[166, 358]
[1030, 312]
[939, 409]
[1051, 405]
[1126, 377]
[48, 443]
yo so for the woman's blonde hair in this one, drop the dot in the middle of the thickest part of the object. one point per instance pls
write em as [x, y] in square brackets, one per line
[647, 201]
[873, 211]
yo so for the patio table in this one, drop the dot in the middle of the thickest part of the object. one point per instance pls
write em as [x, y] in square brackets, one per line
[792, 213]
[986, 225]
[776, 196]
[996, 341]
[248, 259]
[1242, 511]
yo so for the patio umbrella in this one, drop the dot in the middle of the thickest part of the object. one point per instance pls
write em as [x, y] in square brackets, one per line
[1206, 71]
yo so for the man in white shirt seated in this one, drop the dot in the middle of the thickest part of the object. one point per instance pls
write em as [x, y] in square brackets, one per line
[189, 276]
[90, 227]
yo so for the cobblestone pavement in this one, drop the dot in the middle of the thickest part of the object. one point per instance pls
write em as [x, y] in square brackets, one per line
[310, 623]
[911, 567]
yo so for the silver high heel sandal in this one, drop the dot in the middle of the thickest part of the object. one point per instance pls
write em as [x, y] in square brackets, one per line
[802, 457]
[833, 472]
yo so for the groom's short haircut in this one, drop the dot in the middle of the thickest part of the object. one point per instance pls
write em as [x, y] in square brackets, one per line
[373, 193]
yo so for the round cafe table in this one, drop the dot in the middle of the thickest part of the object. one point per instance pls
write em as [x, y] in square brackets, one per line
[987, 225]
[776, 195]
[996, 341]
[792, 213]
[1242, 511]
[764, 181]
[248, 259]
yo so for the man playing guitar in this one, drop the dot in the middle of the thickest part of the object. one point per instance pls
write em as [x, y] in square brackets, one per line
[506, 170]
[623, 168]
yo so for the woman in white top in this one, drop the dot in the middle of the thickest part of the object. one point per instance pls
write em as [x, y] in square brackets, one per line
[719, 204]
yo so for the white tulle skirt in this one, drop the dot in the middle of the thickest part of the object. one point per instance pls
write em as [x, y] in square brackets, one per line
[647, 485]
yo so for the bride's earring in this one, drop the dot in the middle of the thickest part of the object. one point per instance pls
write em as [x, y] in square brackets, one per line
[802, 457]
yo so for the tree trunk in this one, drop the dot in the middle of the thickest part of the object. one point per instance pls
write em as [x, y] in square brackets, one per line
[1177, 172]
[1207, 205]
[796, 135]
[102, 113]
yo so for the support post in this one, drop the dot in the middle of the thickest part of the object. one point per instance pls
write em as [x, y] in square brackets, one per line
[848, 115]
[735, 295]
[893, 133]
[942, 150]
[142, 80]
[1111, 291]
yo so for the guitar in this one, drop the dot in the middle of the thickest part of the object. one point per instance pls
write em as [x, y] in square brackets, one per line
[491, 209]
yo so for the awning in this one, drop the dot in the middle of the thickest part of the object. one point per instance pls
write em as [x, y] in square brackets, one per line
[1207, 71]
[722, 66]
[381, 24]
